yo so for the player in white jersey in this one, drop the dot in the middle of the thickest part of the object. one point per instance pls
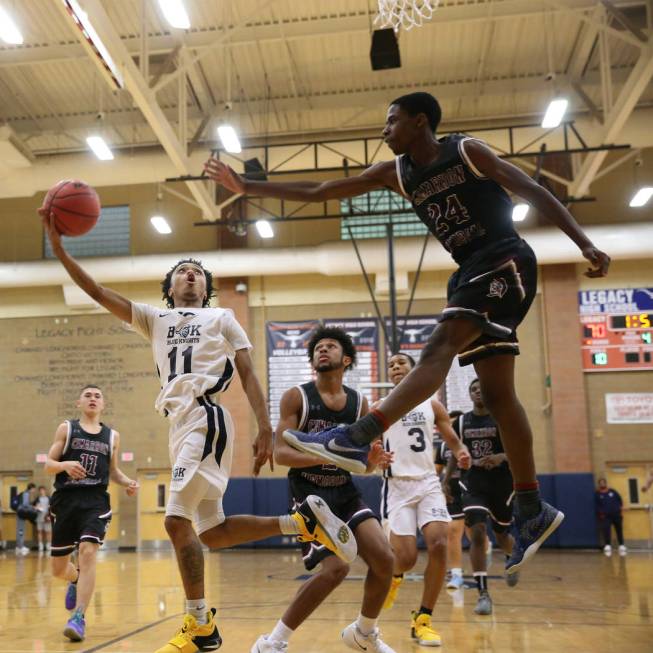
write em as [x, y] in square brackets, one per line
[196, 349]
[412, 498]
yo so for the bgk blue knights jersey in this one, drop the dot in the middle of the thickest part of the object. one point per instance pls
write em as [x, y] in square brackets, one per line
[462, 208]
[193, 349]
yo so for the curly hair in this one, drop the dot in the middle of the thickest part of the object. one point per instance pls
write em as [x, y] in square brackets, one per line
[337, 334]
[167, 282]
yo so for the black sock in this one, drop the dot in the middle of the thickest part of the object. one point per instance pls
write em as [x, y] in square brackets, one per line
[397, 575]
[366, 429]
[423, 610]
[528, 503]
[481, 581]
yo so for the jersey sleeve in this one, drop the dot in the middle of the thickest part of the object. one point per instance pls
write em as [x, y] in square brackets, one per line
[143, 319]
[234, 333]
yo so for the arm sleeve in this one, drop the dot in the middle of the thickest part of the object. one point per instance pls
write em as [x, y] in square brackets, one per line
[143, 319]
[439, 458]
[234, 333]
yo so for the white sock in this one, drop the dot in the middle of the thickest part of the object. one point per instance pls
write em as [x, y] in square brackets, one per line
[365, 624]
[287, 525]
[281, 633]
[197, 607]
[456, 571]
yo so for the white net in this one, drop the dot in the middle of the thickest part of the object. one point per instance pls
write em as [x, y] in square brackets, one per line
[405, 14]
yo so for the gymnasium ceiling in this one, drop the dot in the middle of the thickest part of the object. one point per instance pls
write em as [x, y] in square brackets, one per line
[302, 69]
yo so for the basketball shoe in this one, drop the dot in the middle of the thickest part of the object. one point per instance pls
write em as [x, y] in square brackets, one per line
[456, 582]
[71, 596]
[372, 643]
[333, 445]
[76, 627]
[265, 645]
[484, 603]
[316, 522]
[530, 533]
[392, 592]
[423, 632]
[193, 637]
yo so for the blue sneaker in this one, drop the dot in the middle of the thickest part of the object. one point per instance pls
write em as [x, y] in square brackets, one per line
[333, 446]
[75, 627]
[71, 596]
[529, 535]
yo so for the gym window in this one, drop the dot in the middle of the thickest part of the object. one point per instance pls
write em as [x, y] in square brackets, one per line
[380, 203]
[109, 237]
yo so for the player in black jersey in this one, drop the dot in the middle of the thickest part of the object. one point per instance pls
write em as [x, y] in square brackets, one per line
[451, 489]
[84, 457]
[487, 491]
[317, 405]
[456, 185]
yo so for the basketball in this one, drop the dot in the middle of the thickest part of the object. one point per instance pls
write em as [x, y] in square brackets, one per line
[76, 207]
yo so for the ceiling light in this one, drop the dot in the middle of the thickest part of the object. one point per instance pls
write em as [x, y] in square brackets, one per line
[642, 196]
[264, 229]
[160, 224]
[175, 13]
[93, 38]
[9, 32]
[229, 139]
[519, 212]
[554, 113]
[100, 148]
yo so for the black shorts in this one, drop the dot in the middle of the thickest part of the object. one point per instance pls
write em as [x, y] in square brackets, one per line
[496, 286]
[455, 508]
[488, 492]
[345, 502]
[80, 515]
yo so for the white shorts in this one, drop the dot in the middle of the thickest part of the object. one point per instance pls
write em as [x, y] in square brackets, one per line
[409, 504]
[201, 450]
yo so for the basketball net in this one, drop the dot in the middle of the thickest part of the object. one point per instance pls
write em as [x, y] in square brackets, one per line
[405, 14]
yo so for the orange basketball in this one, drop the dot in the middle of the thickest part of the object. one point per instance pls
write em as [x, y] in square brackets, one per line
[76, 207]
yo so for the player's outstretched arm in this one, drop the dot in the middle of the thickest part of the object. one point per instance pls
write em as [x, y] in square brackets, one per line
[114, 302]
[290, 410]
[379, 175]
[116, 474]
[515, 180]
[443, 424]
[54, 464]
[262, 445]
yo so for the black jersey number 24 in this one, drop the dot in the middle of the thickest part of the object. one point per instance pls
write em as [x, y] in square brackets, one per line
[420, 444]
[454, 212]
[186, 354]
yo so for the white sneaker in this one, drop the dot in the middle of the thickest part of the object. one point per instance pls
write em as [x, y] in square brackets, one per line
[623, 550]
[353, 638]
[25, 550]
[607, 550]
[40, 547]
[265, 645]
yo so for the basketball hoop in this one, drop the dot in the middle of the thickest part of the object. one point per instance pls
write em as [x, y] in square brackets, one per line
[405, 13]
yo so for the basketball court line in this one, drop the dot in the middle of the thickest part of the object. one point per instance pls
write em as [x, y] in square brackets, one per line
[115, 640]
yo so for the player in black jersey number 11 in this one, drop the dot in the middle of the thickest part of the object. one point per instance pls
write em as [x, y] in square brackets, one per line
[456, 186]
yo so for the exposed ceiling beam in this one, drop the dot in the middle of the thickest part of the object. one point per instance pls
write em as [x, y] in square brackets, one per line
[143, 97]
[290, 30]
[354, 99]
[615, 120]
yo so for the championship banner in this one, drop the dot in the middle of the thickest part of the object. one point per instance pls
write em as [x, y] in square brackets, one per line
[365, 334]
[287, 359]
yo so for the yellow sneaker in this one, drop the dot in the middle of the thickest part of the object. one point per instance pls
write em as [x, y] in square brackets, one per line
[316, 522]
[392, 592]
[193, 637]
[423, 632]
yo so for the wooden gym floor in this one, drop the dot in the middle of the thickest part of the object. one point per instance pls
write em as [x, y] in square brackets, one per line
[566, 601]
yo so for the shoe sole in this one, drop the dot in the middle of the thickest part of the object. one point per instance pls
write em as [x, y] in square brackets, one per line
[72, 635]
[333, 527]
[532, 549]
[318, 450]
[424, 642]
[483, 614]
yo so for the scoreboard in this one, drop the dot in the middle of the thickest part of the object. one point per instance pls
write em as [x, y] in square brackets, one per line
[616, 329]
